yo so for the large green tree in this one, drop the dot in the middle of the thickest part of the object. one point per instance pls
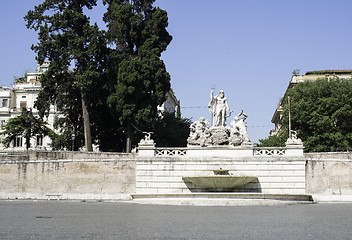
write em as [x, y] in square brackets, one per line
[75, 49]
[321, 111]
[26, 125]
[171, 130]
[101, 82]
[137, 35]
[168, 130]
[274, 141]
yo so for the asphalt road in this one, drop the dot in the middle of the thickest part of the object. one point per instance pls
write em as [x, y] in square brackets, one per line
[117, 220]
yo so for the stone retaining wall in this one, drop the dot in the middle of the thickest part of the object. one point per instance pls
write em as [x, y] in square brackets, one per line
[68, 175]
[65, 175]
[329, 176]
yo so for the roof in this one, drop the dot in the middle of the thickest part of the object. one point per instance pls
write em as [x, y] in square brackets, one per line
[330, 72]
[4, 88]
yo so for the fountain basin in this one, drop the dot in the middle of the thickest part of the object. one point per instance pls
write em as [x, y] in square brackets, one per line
[221, 172]
[219, 182]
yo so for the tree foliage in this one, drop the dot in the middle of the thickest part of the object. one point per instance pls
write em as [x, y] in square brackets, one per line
[168, 130]
[273, 141]
[138, 32]
[321, 111]
[68, 40]
[26, 125]
[171, 131]
[101, 81]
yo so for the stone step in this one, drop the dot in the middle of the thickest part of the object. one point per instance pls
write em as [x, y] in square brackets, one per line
[215, 195]
[221, 199]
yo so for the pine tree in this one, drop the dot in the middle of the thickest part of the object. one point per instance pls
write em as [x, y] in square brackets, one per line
[74, 49]
[137, 30]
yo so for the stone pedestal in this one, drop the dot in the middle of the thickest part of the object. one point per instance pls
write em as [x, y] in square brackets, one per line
[294, 147]
[146, 148]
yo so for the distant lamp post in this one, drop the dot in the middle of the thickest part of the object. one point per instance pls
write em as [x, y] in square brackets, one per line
[73, 136]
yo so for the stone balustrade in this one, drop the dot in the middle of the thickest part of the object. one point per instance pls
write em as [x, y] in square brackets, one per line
[269, 151]
[170, 152]
[250, 151]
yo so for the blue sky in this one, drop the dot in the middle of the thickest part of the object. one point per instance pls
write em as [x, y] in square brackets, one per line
[246, 48]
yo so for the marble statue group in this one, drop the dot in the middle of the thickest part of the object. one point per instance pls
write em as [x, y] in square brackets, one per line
[219, 133]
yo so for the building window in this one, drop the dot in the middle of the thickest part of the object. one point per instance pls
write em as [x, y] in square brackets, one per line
[43, 69]
[18, 141]
[39, 140]
[2, 124]
[4, 103]
[23, 104]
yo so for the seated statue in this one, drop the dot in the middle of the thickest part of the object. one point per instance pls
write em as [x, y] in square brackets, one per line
[239, 131]
[198, 132]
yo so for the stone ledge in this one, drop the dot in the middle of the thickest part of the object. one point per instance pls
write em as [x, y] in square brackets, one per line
[216, 202]
[262, 196]
[63, 196]
[332, 198]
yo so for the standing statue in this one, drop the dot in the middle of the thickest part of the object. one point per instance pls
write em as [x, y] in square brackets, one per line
[218, 107]
[239, 130]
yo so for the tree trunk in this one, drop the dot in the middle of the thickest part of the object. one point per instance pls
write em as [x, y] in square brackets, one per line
[129, 138]
[86, 125]
[28, 142]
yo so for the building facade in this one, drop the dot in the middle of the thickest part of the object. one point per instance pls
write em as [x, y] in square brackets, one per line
[309, 76]
[170, 103]
[24, 93]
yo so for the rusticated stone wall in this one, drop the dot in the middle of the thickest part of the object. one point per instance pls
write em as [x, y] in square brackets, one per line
[46, 175]
[329, 176]
[68, 175]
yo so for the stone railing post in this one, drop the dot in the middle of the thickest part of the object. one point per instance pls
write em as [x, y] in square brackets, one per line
[294, 146]
[146, 147]
[294, 150]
